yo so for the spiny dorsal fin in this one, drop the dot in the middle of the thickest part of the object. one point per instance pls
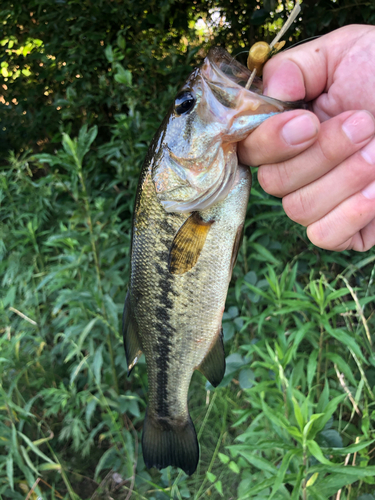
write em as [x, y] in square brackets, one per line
[188, 243]
[132, 345]
[213, 365]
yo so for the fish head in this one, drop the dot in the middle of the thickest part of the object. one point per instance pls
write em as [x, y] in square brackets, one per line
[197, 161]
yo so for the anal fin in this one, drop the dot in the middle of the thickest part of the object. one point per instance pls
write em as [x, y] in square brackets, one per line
[213, 365]
[188, 244]
[130, 332]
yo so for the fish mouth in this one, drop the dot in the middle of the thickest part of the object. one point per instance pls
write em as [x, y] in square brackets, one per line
[233, 70]
[227, 79]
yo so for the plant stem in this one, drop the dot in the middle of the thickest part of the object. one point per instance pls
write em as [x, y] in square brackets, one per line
[114, 373]
[89, 223]
[319, 359]
[304, 482]
[96, 260]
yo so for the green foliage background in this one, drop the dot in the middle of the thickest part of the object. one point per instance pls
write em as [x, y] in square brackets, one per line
[84, 87]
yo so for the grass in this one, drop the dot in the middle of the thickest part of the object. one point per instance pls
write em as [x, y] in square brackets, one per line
[294, 415]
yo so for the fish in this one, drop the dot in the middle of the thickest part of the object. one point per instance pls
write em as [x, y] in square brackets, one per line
[188, 220]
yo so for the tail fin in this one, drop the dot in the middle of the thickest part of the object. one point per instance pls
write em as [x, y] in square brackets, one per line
[165, 443]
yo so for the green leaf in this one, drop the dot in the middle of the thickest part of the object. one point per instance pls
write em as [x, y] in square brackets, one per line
[298, 414]
[109, 53]
[121, 42]
[282, 471]
[219, 487]
[90, 408]
[77, 369]
[211, 477]
[84, 333]
[47, 466]
[223, 458]
[234, 467]
[315, 450]
[307, 429]
[328, 411]
[266, 255]
[331, 437]
[246, 378]
[257, 291]
[97, 364]
[123, 76]
[258, 462]
[298, 483]
[36, 450]
[106, 460]
[9, 462]
[358, 472]
[311, 367]
[70, 147]
[27, 460]
[353, 448]
[345, 339]
[85, 138]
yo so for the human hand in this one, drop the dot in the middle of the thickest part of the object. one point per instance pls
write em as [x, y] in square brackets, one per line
[325, 172]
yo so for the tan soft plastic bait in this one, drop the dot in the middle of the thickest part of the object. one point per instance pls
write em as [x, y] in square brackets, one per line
[260, 52]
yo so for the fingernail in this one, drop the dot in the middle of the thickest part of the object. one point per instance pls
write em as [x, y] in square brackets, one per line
[359, 126]
[299, 130]
[368, 153]
[369, 191]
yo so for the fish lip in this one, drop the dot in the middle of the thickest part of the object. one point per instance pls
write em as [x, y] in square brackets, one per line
[212, 75]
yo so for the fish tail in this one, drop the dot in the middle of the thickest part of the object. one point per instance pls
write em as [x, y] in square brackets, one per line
[168, 443]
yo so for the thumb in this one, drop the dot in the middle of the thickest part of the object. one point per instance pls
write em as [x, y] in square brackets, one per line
[307, 71]
[297, 73]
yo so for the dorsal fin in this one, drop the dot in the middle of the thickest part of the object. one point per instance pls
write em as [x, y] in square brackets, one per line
[188, 243]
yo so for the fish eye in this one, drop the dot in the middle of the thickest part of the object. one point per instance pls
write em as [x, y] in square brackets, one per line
[184, 102]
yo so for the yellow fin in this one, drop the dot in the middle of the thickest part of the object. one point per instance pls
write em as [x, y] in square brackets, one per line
[188, 243]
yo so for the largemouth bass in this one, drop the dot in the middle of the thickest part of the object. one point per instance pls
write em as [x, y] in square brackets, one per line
[188, 218]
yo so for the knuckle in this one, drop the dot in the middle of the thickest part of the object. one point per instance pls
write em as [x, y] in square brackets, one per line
[297, 206]
[327, 152]
[274, 179]
[317, 234]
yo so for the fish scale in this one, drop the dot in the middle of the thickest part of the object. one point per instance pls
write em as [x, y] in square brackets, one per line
[188, 218]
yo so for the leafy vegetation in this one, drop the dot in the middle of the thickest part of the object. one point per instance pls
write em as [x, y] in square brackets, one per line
[294, 416]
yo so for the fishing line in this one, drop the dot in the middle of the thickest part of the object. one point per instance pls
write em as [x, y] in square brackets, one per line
[303, 41]
[239, 53]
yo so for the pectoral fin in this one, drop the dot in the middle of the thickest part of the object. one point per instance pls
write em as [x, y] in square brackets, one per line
[132, 345]
[188, 243]
[213, 365]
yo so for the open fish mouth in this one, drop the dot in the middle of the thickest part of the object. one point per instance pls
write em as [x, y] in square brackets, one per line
[227, 79]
